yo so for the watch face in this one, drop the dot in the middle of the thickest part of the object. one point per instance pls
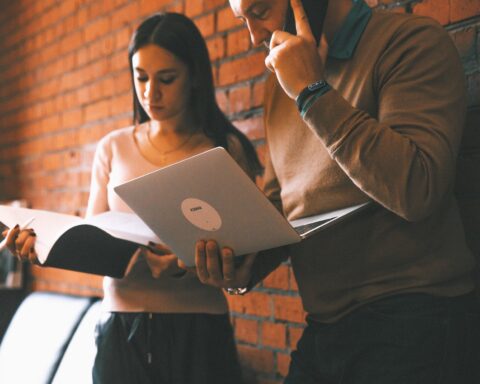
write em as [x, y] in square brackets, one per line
[316, 85]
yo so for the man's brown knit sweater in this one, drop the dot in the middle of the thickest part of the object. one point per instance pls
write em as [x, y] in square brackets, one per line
[388, 132]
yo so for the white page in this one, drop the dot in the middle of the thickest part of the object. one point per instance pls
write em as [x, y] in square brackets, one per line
[49, 226]
[127, 226]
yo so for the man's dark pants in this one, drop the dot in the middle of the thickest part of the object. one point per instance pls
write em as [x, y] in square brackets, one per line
[403, 339]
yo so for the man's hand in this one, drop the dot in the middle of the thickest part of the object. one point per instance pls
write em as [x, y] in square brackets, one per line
[296, 60]
[217, 267]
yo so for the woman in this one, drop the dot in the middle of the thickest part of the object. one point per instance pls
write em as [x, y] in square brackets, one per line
[161, 325]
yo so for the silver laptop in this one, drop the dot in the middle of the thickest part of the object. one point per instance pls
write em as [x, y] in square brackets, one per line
[208, 196]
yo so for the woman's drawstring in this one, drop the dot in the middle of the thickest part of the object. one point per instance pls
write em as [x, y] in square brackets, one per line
[148, 319]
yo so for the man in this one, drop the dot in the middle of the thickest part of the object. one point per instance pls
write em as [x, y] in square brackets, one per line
[388, 292]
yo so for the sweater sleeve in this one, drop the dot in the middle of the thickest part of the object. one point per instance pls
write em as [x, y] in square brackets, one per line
[404, 158]
[98, 200]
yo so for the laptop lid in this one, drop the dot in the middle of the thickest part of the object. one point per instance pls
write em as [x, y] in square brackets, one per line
[207, 196]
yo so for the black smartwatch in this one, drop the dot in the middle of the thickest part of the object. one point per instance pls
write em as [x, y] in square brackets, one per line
[310, 90]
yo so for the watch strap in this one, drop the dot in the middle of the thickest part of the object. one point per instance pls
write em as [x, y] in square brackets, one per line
[320, 86]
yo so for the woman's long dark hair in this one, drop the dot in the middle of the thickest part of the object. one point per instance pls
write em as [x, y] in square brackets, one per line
[178, 34]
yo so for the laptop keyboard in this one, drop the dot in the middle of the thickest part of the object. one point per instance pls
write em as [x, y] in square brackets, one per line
[302, 229]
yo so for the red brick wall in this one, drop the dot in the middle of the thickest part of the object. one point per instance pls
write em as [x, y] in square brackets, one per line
[64, 83]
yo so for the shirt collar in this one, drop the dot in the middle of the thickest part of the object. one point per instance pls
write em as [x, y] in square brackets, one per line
[347, 37]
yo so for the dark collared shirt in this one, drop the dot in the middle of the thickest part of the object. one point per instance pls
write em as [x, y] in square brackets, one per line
[347, 37]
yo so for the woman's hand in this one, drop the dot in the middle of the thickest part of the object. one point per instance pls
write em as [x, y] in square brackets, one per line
[21, 243]
[162, 261]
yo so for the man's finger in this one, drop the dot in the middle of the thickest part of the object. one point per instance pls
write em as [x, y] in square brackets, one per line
[201, 262]
[301, 20]
[228, 264]
[213, 261]
[278, 38]
[269, 64]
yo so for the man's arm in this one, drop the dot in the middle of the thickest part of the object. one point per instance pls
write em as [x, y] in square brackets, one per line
[405, 158]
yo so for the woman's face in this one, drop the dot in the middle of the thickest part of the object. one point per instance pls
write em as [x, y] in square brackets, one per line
[162, 82]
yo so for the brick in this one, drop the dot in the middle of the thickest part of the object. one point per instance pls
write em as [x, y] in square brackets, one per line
[193, 7]
[66, 8]
[294, 334]
[437, 9]
[56, 276]
[175, 7]
[206, 24]
[101, 47]
[226, 20]
[50, 124]
[122, 104]
[216, 48]
[260, 360]
[119, 62]
[98, 110]
[95, 9]
[82, 17]
[242, 68]
[238, 42]
[106, 87]
[254, 303]
[283, 363]
[147, 7]
[97, 29]
[252, 127]
[222, 101]
[239, 99]
[293, 282]
[120, 83]
[212, 4]
[121, 39]
[68, 25]
[278, 279]
[463, 9]
[72, 118]
[288, 308]
[49, 17]
[274, 335]
[124, 15]
[246, 330]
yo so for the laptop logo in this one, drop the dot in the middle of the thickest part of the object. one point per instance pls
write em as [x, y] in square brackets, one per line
[201, 214]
